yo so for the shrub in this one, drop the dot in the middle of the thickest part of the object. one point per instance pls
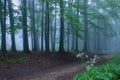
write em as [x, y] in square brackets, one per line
[10, 61]
[90, 61]
[23, 60]
[108, 71]
[13, 60]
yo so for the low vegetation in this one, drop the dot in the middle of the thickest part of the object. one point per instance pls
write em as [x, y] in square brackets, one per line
[108, 71]
[13, 60]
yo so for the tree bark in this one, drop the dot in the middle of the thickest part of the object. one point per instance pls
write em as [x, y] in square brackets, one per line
[3, 25]
[61, 45]
[35, 47]
[47, 20]
[85, 47]
[12, 27]
[25, 32]
[54, 42]
[77, 31]
[42, 27]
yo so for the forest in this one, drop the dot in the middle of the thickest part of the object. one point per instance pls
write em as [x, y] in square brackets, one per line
[62, 25]
[59, 32]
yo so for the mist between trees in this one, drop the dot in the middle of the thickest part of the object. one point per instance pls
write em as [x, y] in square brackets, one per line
[60, 25]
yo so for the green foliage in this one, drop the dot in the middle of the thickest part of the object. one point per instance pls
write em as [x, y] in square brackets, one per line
[109, 71]
[13, 60]
[23, 59]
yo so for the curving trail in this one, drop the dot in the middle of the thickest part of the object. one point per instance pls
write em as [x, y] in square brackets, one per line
[65, 72]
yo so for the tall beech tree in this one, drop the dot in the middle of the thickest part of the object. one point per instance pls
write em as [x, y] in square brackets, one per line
[85, 47]
[3, 24]
[47, 26]
[61, 44]
[33, 27]
[55, 29]
[24, 24]
[12, 27]
[42, 27]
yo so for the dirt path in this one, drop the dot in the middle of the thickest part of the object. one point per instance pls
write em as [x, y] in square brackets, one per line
[65, 72]
[56, 73]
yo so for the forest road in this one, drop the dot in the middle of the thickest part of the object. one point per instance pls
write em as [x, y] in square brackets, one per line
[65, 72]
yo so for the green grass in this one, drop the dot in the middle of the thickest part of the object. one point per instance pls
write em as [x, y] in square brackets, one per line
[108, 71]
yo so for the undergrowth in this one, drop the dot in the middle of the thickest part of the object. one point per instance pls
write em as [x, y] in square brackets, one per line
[108, 71]
[13, 60]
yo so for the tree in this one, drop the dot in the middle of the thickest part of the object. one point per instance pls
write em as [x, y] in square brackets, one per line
[35, 47]
[77, 27]
[85, 49]
[61, 44]
[3, 25]
[47, 25]
[42, 27]
[55, 29]
[24, 24]
[12, 27]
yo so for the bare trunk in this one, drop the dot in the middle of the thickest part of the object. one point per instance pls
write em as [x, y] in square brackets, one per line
[3, 26]
[85, 47]
[47, 27]
[54, 42]
[42, 27]
[25, 32]
[61, 45]
[13, 48]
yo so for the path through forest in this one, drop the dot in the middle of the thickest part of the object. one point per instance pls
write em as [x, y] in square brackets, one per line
[65, 72]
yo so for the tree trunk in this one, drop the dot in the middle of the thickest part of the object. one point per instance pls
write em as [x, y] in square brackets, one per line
[68, 29]
[12, 27]
[3, 25]
[25, 32]
[54, 42]
[42, 27]
[47, 20]
[85, 47]
[33, 27]
[68, 38]
[73, 40]
[77, 31]
[61, 45]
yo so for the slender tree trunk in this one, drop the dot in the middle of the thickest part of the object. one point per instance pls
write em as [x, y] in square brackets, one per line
[30, 6]
[61, 45]
[73, 36]
[68, 38]
[73, 40]
[34, 28]
[54, 42]
[25, 32]
[68, 29]
[47, 20]
[42, 27]
[85, 47]
[13, 48]
[51, 36]
[77, 31]
[3, 25]
[95, 39]
[98, 38]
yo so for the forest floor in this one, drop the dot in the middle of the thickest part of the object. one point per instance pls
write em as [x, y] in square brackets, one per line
[48, 67]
